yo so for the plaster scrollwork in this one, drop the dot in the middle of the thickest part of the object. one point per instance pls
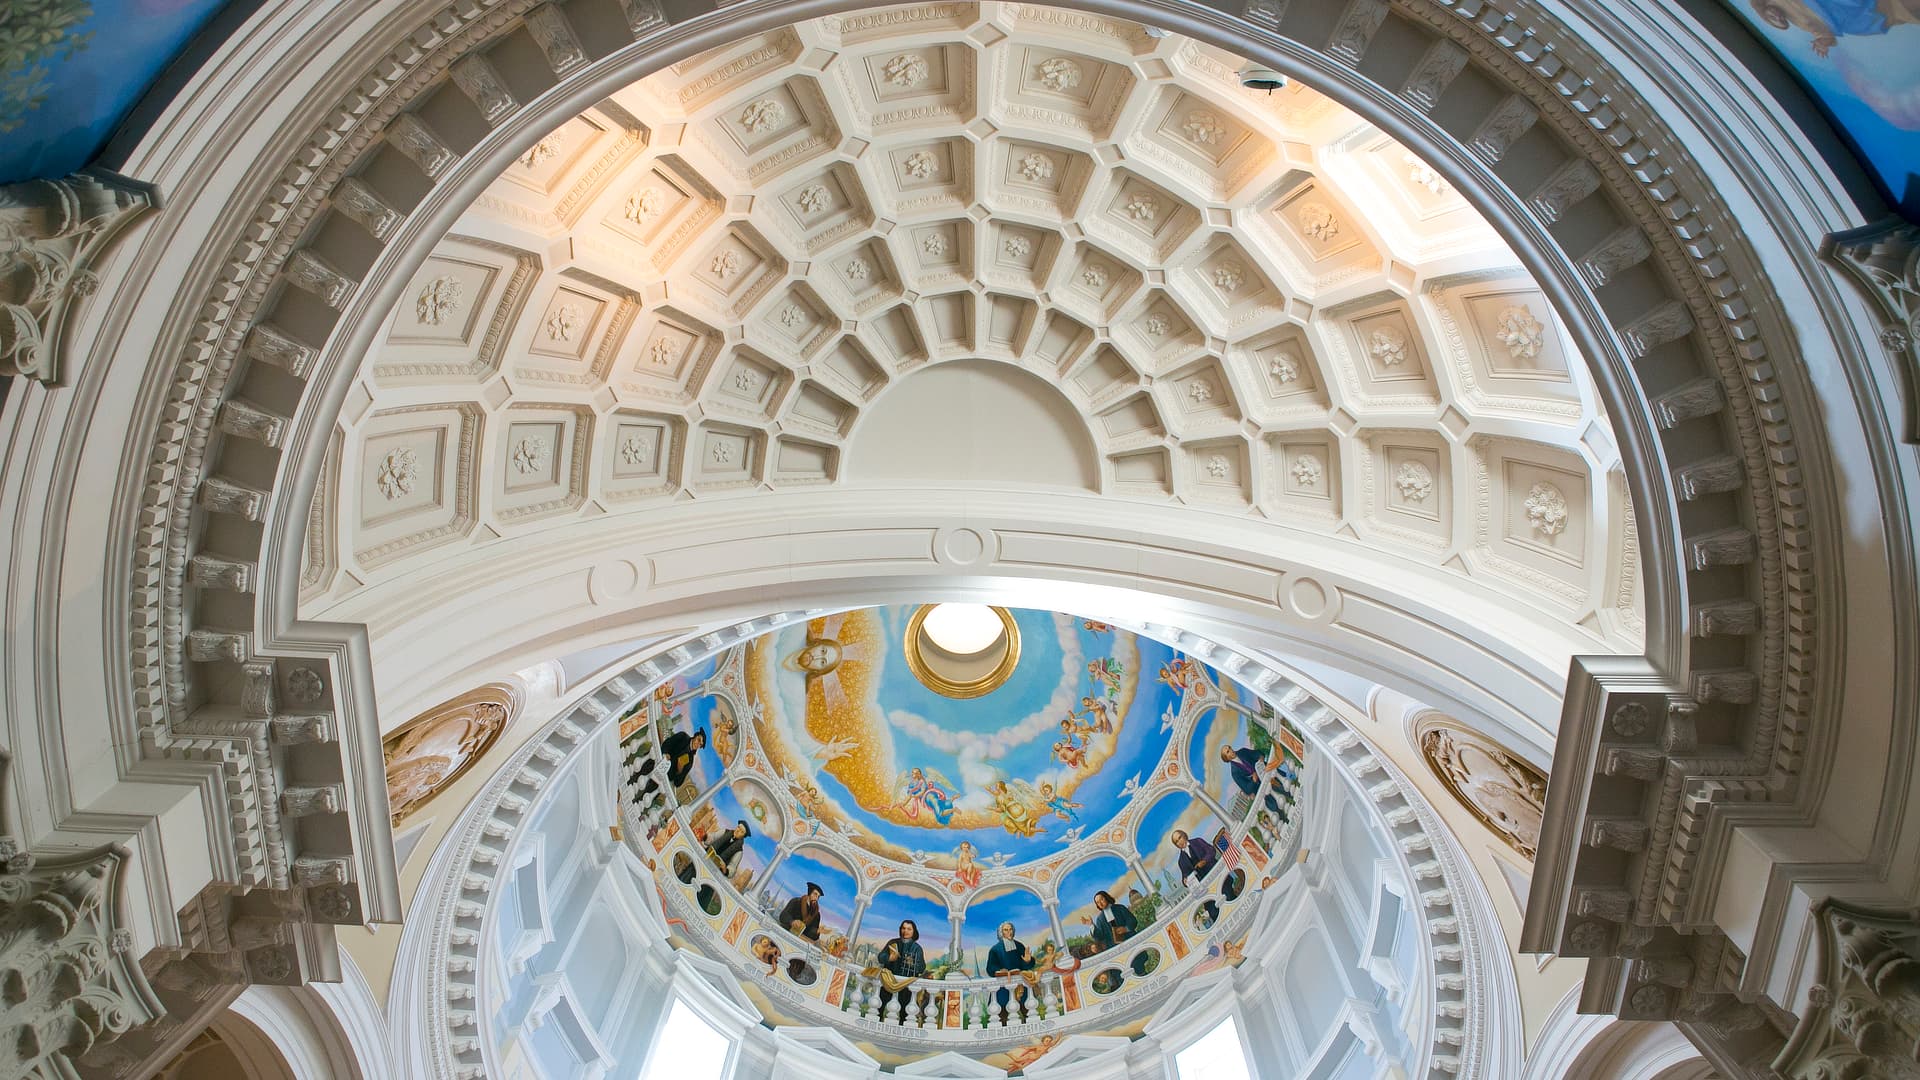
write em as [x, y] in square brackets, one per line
[71, 988]
[1864, 1013]
[52, 233]
[1884, 260]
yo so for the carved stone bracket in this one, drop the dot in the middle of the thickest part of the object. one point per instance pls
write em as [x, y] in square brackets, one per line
[1863, 1016]
[67, 982]
[1885, 260]
[51, 234]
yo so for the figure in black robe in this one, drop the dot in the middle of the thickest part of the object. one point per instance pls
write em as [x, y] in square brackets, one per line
[725, 848]
[802, 913]
[904, 959]
[1196, 856]
[1009, 956]
[679, 749]
[1113, 923]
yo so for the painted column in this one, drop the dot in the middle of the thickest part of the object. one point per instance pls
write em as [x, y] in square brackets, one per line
[766, 875]
[956, 920]
[1053, 916]
[1207, 800]
[859, 912]
[1140, 874]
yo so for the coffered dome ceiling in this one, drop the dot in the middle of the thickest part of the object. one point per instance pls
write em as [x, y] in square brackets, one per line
[985, 244]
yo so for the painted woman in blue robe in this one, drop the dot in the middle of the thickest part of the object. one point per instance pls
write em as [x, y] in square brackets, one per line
[1830, 20]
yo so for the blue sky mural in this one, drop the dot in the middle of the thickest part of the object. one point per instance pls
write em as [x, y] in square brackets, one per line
[1019, 773]
[71, 70]
[1861, 60]
[811, 864]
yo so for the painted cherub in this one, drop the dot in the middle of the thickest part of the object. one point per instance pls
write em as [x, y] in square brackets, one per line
[1107, 672]
[1070, 751]
[965, 870]
[1180, 673]
[920, 789]
[1059, 804]
[1097, 627]
[1095, 714]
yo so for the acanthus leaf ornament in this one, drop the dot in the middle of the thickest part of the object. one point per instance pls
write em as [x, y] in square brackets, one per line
[52, 234]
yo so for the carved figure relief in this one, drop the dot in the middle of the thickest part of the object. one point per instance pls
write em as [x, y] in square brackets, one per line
[921, 165]
[1229, 276]
[813, 199]
[934, 243]
[1017, 246]
[1203, 127]
[563, 321]
[1283, 368]
[792, 315]
[1156, 325]
[543, 151]
[398, 471]
[1423, 175]
[529, 455]
[1414, 481]
[1142, 207]
[438, 300]
[1059, 73]
[662, 351]
[1094, 276]
[907, 69]
[1200, 391]
[1507, 794]
[858, 269]
[1217, 467]
[633, 450]
[726, 264]
[760, 115]
[425, 755]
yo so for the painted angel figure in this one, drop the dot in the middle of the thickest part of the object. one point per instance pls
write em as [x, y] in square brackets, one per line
[1070, 751]
[1059, 804]
[1015, 807]
[1096, 715]
[1106, 671]
[1097, 627]
[965, 870]
[1180, 673]
[925, 789]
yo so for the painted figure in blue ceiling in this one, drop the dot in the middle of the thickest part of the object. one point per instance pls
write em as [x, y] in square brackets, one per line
[1197, 857]
[1830, 20]
[1112, 922]
[1009, 957]
[901, 961]
[1059, 804]
[933, 793]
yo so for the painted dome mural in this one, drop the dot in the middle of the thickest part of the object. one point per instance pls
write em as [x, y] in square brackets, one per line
[1069, 796]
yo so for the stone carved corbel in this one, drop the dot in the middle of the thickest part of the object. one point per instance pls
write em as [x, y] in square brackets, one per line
[1885, 260]
[51, 234]
[68, 983]
[1863, 1017]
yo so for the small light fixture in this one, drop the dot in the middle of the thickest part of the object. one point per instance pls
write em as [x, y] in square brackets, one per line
[1255, 77]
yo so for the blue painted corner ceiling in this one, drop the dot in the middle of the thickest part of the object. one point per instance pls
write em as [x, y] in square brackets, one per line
[71, 71]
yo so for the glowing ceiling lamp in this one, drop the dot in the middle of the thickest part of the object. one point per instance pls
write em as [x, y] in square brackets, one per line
[963, 629]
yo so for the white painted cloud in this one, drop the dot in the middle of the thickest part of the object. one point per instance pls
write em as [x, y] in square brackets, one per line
[977, 750]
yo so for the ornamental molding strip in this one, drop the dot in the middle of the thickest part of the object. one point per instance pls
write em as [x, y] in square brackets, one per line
[52, 233]
[457, 928]
[223, 500]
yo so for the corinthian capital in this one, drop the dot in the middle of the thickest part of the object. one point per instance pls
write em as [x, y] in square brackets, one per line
[52, 232]
[1885, 260]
